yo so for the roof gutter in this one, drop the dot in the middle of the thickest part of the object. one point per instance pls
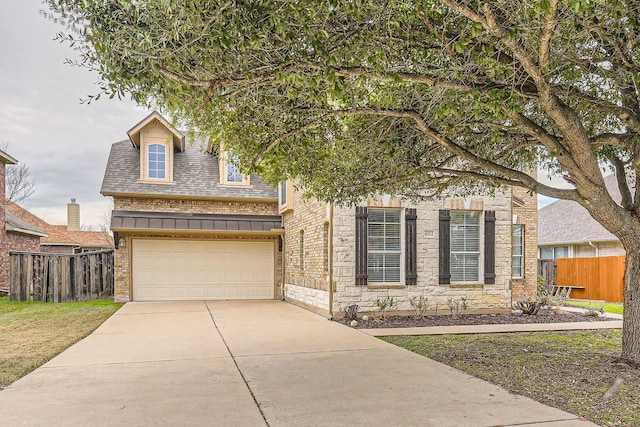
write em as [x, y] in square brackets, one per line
[25, 231]
[272, 232]
[595, 247]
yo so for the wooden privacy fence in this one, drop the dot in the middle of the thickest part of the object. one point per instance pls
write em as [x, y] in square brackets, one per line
[602, 277]
[547, 269]
[61, 278]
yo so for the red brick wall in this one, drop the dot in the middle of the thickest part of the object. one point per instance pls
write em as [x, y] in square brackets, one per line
[15, 242]
[56, 249]
[4, 250]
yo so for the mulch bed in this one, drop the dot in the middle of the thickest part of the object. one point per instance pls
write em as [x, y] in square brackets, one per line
[543, 316]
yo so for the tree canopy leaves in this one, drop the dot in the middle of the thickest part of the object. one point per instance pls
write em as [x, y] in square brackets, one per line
[411, 97]
[360, 96]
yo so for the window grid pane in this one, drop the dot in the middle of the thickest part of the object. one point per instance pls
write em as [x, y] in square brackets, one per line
[157, 162]
[517, 254]
[465, 246]
[384, 245]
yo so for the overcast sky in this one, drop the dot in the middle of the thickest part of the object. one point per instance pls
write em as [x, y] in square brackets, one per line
[64, 143]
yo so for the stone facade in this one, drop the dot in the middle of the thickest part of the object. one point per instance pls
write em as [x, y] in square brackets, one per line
[122, 259]
[526, 214]
[308, 286]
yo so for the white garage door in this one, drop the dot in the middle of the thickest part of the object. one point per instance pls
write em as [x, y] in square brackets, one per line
[195, 270]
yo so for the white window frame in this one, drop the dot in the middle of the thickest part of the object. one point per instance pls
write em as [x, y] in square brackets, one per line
[479, 253]
[145, 160]
[514, 275]
[156, 169]
[569, 251]
[226, 161]
[399, 251]
[282, 194]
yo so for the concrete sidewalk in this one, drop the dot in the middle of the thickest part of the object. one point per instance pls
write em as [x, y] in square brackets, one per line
[495, 329]
[252, 364]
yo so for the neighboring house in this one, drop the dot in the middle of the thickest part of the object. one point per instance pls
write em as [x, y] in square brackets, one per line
[567, 230]
[64, 239]
[189, 225]
[16, 234]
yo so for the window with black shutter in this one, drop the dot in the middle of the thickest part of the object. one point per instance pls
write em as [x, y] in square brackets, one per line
[361, 245]
[490, 247]
[444, 256]
[410, 273]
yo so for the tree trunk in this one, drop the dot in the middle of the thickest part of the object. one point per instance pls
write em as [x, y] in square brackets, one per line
[631, 322]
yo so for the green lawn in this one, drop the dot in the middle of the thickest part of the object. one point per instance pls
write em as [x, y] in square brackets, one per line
[568, 370]
[31, 333]
[610, 307]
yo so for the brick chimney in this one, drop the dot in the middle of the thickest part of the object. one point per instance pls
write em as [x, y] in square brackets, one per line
[73, 216]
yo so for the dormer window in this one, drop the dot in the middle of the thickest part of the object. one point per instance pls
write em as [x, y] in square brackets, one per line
[233, 172]
[157, 141]
[157, 161]
[230, 173]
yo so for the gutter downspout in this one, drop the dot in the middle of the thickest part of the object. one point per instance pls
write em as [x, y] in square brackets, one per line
[331, 261]
[596, 248]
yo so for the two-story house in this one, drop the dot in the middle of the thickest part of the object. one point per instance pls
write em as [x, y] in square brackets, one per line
[189, 225]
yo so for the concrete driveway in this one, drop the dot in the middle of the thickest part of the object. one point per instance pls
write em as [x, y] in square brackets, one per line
[253, 364]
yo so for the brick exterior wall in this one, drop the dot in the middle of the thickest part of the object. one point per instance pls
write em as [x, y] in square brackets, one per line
[604, 249]
[122, 259]
[56, 249]
[309, 285]
[4, 246]
[525, 289]
[195, 206]
[15, 242]
[10, 241]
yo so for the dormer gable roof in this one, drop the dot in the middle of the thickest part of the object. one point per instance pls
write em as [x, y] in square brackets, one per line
[134, 132]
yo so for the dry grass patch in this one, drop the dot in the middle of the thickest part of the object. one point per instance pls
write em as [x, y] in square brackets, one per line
[572, 371]
[33, 333]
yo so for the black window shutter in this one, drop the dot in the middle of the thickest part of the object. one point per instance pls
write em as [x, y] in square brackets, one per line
[444, 256]
[410, 273]
[490, 247]
[361, 245]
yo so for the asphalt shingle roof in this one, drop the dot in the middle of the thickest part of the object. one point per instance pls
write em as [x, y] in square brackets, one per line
[566, 222]
[59, 235]
[195, 174]
[16, 222]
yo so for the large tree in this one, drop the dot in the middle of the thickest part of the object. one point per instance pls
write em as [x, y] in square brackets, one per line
[356, 97]
[19, 183]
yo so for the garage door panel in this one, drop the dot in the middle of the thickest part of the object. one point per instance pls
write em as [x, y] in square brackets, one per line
[182, 270]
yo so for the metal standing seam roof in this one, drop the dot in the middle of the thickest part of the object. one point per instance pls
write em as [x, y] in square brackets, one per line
[136, 220]
[196, 174]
